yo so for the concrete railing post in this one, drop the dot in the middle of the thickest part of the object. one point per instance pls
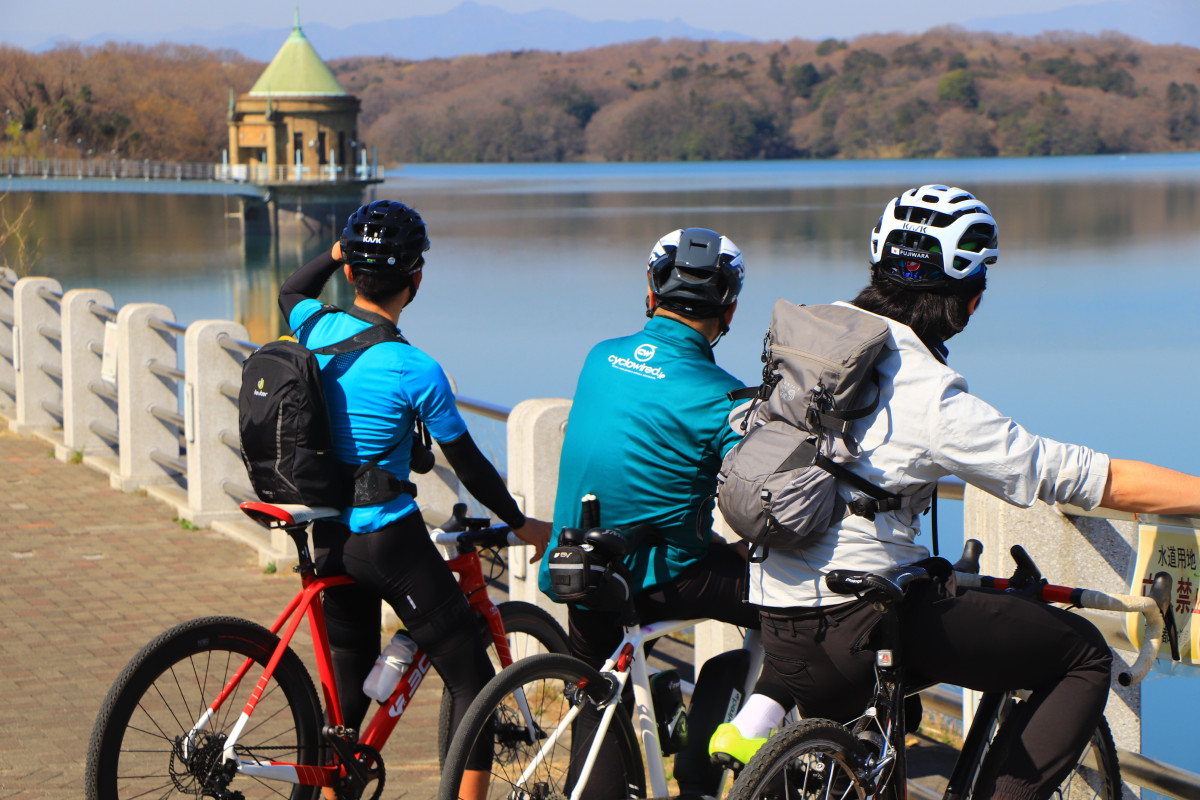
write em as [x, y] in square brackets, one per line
[85, 410]
[437, 490]
[8, 376]
[141, 392]
[1071, 551]
[712, 637]
[212, 377]
[535, 438]
[37, 355]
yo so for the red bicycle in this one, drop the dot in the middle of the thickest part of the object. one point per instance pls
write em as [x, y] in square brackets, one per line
[187, 718]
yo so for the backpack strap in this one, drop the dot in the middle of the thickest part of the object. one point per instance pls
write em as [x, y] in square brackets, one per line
[382, 330]
[840, 421]
[806, 454]
[307, 325]
[745, 393]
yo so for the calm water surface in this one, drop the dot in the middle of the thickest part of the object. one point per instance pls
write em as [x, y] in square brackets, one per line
[1088, 332]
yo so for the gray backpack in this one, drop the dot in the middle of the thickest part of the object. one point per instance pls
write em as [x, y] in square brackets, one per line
[777, 488]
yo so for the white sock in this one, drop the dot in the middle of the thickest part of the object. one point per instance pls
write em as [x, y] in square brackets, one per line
[759, 717]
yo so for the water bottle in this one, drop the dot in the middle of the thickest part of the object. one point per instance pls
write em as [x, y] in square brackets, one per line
[390, 667]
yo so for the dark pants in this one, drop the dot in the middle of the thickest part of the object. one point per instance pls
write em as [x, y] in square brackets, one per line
[981, 639]
[400, 564]
[713, 588]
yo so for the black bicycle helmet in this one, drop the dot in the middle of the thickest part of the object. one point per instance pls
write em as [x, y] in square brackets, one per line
[385, 237]
[927, 238]
[696, 272]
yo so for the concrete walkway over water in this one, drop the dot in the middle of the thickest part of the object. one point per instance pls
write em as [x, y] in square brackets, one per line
[87, 576]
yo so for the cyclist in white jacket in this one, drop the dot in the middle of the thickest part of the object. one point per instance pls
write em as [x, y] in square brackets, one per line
[930, 253]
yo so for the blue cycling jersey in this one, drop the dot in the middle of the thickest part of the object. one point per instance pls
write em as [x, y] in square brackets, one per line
[646, 434]
[374, 398]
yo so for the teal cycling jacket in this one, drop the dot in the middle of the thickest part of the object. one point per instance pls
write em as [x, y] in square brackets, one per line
[646, 434]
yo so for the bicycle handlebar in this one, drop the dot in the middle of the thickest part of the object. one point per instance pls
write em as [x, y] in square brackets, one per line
[494, 537]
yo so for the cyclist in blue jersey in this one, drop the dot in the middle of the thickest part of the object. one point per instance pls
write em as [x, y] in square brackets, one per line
[647, 431]
[374, 397]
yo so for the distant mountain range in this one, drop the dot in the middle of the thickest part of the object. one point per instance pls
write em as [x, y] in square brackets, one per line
[475, 28]
[1154, 21]
[467, 28]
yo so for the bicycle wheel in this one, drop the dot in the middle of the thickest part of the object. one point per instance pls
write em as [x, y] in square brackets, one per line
[815, 758]
[137, 745]
[1097, 774]
[552, 684]
[531, 630]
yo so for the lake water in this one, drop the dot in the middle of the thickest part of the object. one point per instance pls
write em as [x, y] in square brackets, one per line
[1088, 332]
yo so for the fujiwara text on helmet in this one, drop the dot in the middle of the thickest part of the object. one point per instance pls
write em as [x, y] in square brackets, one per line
[930, 237]
[385, 241]
[694, 272]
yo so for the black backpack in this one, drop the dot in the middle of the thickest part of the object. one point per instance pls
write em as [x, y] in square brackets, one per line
[283, 419]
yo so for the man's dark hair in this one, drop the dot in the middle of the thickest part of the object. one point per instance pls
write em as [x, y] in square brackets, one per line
[934, 316]
[379, 287]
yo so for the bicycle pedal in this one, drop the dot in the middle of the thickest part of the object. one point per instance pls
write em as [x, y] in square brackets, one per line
[726, 761]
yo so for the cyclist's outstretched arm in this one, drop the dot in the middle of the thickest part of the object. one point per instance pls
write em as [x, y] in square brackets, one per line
[1150, 489]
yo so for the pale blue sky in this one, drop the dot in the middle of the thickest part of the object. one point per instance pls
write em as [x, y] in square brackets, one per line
[765, 19]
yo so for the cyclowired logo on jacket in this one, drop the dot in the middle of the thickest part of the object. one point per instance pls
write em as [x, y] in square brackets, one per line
[635, 365]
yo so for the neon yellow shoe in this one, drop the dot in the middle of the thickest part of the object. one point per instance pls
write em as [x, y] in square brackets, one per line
[730, 749]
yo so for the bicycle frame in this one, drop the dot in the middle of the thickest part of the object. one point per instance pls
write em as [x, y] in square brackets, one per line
[306, 603]
[993, 706]
[628, 662]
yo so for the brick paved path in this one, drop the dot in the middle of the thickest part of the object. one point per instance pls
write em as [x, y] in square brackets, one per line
[87, 576]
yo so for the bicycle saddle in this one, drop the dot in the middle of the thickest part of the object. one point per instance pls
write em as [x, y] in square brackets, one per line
[888, 585]
[609, 542]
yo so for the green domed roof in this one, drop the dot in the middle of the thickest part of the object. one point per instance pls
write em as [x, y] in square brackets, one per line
[297, 71]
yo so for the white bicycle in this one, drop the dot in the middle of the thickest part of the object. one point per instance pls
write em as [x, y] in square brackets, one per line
[550, 718]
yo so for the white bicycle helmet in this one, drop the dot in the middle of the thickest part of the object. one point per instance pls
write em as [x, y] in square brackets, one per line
[936, 232]
[695, 272]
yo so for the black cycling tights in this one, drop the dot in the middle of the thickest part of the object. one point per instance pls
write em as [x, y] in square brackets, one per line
[978, 638]
[399, 564]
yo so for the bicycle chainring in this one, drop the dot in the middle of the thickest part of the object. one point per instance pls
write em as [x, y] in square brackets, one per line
[369, 758]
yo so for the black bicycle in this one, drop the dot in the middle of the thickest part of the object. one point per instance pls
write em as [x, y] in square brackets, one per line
[825, 760]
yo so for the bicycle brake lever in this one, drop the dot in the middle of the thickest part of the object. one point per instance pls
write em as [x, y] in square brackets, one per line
[1026, 578]
[1160, 591]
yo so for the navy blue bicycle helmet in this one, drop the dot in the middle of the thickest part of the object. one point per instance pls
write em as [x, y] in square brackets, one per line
[696, 272]
[385, 238]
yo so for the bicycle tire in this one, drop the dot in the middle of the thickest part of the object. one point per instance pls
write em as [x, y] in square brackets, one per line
[813, 758]
[531, 630]
[553, 683]
[1097, 773]
[161, 692]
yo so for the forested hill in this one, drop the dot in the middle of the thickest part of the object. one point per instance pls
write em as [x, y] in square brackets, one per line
[944, 93]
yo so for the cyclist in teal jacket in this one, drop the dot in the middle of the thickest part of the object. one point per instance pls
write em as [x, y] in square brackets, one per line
[646, 435]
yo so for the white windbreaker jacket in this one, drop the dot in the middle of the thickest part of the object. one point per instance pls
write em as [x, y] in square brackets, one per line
[927, 427]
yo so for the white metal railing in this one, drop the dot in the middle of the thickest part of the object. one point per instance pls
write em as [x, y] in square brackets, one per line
[146, 170]
[104, 384]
